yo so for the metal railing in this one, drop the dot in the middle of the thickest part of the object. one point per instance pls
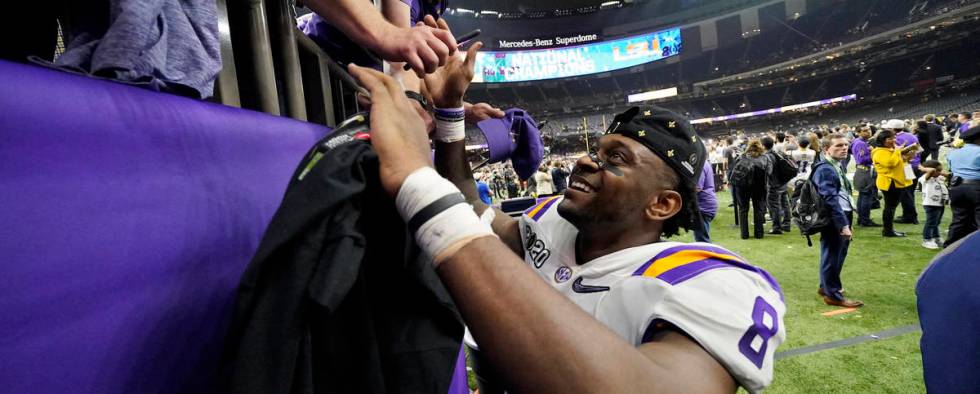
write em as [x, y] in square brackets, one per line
[272, 67]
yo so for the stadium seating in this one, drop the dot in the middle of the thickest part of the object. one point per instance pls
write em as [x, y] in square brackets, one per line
[823, 26]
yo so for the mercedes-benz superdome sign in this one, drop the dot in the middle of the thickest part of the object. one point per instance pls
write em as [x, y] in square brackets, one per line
[515, 66]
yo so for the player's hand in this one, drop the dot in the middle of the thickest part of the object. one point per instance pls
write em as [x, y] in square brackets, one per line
[424, 48]
[482, 111]
[449, 83]
[846, 233]
[397, 132]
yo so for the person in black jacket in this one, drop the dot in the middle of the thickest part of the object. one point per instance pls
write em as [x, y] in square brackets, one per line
[776, 197]
[559, 176]
[950, 123]
[924, 136]
[936, 137]
[752, 186]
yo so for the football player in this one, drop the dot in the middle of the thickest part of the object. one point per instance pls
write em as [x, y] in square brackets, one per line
[582, 292]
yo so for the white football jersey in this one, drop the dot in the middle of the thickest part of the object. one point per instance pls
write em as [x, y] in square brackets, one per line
[732, 309]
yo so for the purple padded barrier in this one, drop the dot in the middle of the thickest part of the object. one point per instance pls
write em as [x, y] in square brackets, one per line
[126, 219]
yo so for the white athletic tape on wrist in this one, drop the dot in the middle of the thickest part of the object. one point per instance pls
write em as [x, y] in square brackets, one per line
[448, 230]
[449, 131]
[421, 188]
[450, 126]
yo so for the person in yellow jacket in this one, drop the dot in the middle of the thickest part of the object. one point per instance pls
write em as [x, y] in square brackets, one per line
[890, 164]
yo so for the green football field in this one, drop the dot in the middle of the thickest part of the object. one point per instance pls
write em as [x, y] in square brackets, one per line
[873, 349]
[879, 271]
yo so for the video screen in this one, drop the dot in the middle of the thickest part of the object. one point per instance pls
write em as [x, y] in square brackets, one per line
[516, 66]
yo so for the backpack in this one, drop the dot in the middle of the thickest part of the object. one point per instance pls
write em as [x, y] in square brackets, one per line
[784, 169]
[742, 172]
[808, 209]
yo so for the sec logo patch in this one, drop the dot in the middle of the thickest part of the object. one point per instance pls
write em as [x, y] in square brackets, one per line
[563, 274]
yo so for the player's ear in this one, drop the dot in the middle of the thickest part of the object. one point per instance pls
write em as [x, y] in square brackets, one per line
[664, 205]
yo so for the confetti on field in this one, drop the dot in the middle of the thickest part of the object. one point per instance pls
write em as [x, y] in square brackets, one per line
[839, 312]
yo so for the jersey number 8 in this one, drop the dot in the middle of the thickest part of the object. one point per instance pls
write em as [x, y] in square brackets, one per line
[759, 329]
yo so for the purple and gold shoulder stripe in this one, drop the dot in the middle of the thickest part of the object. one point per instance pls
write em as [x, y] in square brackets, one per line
[537, 211]
[680, 263]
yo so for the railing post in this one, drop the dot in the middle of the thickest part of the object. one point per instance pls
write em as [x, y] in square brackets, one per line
[265, 75]
[316, 81]
[282, 25]
[226, 87]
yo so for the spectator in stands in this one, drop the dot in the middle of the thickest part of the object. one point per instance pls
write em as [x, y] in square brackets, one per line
[935, 138]
[903, 138]
[707, 203]
[776, 196]
[830, 177]
[935, 196]
[543, 182]
[964, 193]
[559, 176]
[889, 165]
[749, 177]
[424, 48]
[864, 176]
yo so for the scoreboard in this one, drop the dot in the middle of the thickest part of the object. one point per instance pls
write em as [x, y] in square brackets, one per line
[531, 65]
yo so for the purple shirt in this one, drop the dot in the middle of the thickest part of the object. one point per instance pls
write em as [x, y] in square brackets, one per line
[861, 152]
[905, 139]
[707, 202]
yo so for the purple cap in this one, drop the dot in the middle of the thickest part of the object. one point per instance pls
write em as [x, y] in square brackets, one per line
[500, 142]
[516, 135]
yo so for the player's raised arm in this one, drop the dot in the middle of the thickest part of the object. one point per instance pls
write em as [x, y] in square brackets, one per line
[447, 87]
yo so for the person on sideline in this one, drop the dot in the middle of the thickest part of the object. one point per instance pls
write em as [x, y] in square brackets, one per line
[863, 176]
[935, 196]
[707, 203]
[830, 177]
[750, 178]
[890, 164]
[543, 182]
